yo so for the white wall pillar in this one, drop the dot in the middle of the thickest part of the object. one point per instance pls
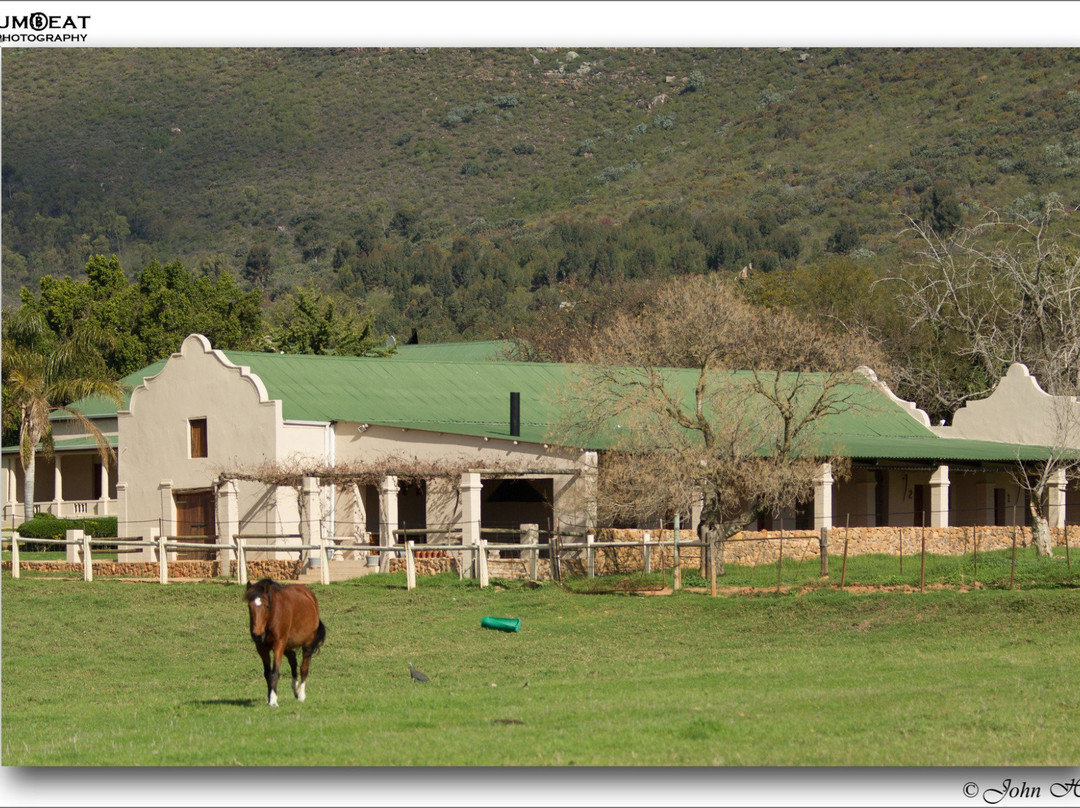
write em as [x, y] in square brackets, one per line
[228, 512]
[823, 497]
[939, 497]
[1056, 493]
[388, 517]
[470, 488]
[311, 509]
[168, 508]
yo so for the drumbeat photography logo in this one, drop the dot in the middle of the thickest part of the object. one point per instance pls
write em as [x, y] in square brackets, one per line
[39, 27]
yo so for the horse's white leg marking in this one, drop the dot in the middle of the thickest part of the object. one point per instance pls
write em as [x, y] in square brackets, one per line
[299, 690]
[273, 699]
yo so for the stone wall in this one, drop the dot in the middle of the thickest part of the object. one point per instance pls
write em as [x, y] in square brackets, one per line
[753, 548]
[201, 570]
[762, 547]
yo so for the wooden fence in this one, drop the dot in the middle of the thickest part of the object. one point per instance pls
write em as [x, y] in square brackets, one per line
[473, 557]
[568, 553]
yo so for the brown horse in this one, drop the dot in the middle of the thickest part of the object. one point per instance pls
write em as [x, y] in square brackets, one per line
[284, 618]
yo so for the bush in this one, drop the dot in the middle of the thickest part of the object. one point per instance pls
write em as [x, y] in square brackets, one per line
[46, 526]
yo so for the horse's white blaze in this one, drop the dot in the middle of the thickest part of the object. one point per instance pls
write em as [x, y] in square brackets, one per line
[273, 698]
[257, 601]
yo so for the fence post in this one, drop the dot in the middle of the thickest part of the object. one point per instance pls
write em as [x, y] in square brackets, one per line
[1012, 568]
[481, 557]
[647, 561]
[843, 566]
[823, 551]
[590, 553]
[530, 534]
[241, 562]
[712, 561]
[84, 543]
[922, 562]
[901, 531]
[676, 573]
[15, 555]
[73, 552]
[780, 561]
[163, 560]
[410, 566]
[324, 559]
[975, 550]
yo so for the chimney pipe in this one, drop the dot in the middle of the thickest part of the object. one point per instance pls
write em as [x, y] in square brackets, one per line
[515, 414]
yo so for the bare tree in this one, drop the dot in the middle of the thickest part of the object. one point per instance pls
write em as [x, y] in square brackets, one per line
[1009, 291]
[704, 397]
[998, 293]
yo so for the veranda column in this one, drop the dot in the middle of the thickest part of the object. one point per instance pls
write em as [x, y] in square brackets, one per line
[11, 493]
[229, 528]
[1055, 511]
[388, 518]
[470, 517]
[939, 497]
[58, 487]
[103, 500]
[823, 497]
[590, 474]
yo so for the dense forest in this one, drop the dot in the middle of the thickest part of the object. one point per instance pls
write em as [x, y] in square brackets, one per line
[477, 193]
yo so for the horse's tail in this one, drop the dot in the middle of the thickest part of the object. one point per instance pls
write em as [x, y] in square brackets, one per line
[316, 644]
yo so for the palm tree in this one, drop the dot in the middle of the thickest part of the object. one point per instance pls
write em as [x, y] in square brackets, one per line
[42, 376]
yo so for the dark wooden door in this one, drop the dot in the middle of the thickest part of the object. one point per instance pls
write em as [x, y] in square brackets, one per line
[196, 522]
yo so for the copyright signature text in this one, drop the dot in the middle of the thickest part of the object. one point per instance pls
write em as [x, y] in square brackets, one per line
[1009, 789]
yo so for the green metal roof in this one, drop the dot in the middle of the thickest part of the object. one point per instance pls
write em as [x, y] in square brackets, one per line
[103, 407]
[465, 398]
[77, 443]
[426, 388]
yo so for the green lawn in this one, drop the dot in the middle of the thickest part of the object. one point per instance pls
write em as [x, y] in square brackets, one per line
[135, 674]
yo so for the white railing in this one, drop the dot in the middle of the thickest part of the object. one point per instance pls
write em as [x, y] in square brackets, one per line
[13, 512]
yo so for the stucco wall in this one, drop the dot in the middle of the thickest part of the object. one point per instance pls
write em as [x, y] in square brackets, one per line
[1018, 411]
[244, 427]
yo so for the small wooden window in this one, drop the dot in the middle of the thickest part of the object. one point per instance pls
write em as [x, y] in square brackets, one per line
[198, 438]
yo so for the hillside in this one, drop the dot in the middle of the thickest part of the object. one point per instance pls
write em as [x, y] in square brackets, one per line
[374, 171]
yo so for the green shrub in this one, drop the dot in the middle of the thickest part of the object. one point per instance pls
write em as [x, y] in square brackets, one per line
[585, 147]
[46, 526]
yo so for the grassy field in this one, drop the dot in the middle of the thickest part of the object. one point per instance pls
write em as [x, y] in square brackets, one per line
[118, 673]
